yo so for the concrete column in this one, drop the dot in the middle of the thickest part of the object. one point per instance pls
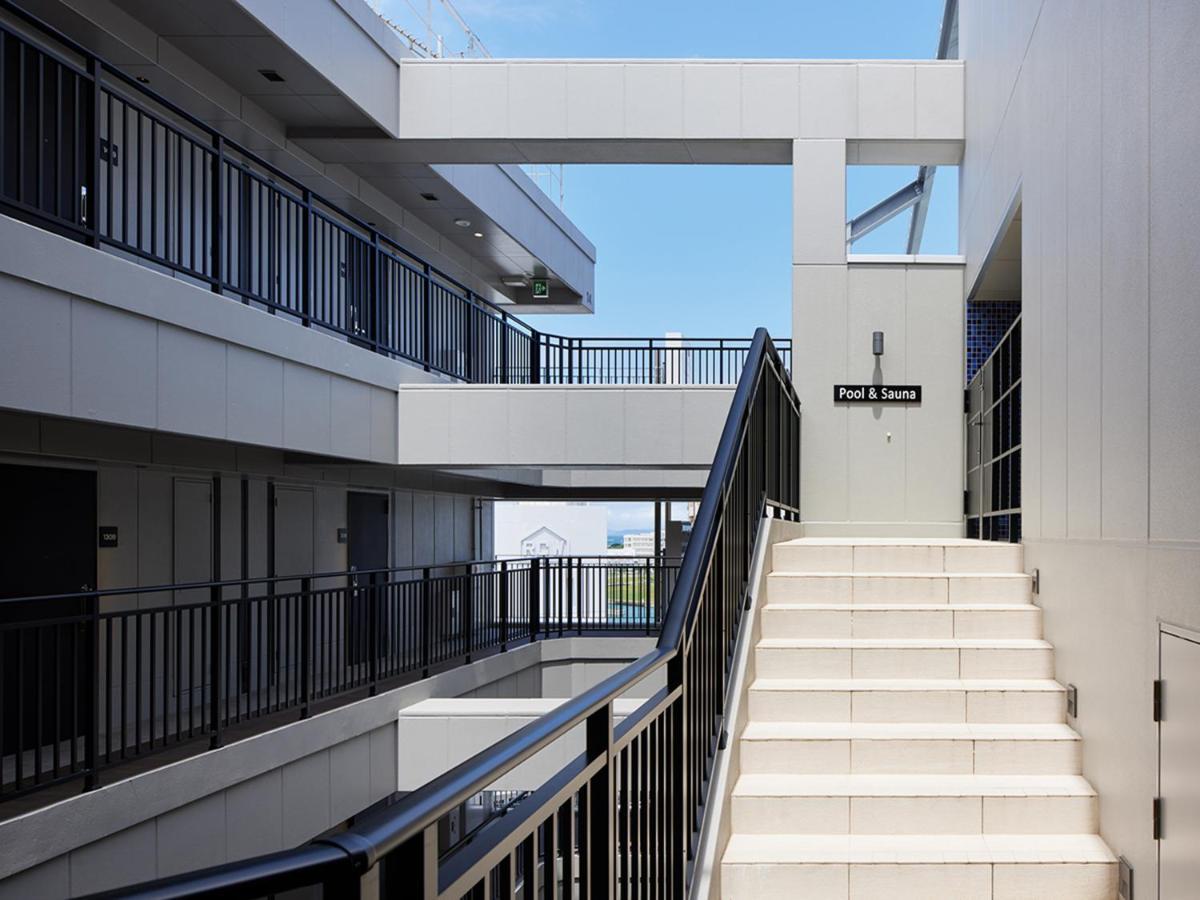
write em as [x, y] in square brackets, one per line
[888, 469]
[819, 321]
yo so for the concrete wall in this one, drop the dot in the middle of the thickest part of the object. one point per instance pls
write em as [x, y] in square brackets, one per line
[1088, 110]
[891, 468]
[550, 425]
[444, 733]
[260, 795]
[94, 337]
[137, 474]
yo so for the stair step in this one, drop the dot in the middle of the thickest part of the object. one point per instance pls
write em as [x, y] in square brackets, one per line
[1029, 700]
[895, 555]
[831, 748]
[897, 587]
[964, 867]
[913, 804]
[904, 658]
[916, 620]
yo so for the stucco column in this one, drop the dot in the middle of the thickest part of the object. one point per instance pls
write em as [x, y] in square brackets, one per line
[819, 320]
[888, 469]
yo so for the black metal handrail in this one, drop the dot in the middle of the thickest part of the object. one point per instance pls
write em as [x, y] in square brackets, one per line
[96, 678]
[89, 152]
[622, 817]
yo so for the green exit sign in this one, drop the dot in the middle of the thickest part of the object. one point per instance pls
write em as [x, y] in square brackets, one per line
[541, 289]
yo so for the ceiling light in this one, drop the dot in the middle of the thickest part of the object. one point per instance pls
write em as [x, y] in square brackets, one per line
[479, 234]
[463, 223]
[432, 198]
[514, 281]
[142, 79]
[271, 75]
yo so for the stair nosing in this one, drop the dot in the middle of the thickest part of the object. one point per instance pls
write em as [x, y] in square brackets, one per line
[864, 784]
[843, 643]
[835, 849]
[1048, 685]
[909, 731]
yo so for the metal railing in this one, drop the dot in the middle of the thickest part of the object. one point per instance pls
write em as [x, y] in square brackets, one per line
[91, 153]
[94, 679]
[993, 409]
[610, 360]
[622, 818]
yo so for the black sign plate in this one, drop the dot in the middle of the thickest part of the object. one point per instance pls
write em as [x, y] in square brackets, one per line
[108, 536]
[343, 535]
[876, 393]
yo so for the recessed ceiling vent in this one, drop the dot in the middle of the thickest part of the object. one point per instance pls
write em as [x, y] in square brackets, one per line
[271, 75]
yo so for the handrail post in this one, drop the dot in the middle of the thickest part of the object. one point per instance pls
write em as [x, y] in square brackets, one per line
[535, 357]
[678, 818]
[91, 749]
[579, 613]
[503, 605]
[426, 622]
[602, 808]
[535, 597]
[306, 261]
[376, 294]
[649, 591]
[307, 651]
[467, 613]
[504, 330]
[374, 590]
[216, 641]
[426, 327]
[218, 225]
[469, 360]
[91, 191]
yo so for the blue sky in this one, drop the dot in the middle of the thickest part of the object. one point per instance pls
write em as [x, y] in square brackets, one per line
[705, 250]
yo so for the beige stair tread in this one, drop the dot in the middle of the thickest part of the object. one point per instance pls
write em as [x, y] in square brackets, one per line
[748, 849]
[906, 684]
[873, 785]
[901, 607]
[905, 643]
[886, 542]
[907, 731]
[991, 576]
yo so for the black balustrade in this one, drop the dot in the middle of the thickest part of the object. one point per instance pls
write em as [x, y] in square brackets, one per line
[622, 818]
[93, 154]
[126, 673]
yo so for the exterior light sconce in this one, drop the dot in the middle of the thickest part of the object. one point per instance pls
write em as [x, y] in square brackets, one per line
[877, 343]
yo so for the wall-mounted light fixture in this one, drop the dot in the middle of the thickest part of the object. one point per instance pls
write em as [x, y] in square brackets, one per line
[877, 343]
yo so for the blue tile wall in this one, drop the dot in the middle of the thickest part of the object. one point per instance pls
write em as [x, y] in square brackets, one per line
[986, 323]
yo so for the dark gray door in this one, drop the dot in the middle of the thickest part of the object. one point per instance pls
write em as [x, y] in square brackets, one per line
[367, 520]
[48, 535]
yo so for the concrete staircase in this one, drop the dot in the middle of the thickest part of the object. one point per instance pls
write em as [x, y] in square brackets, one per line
[906, 735]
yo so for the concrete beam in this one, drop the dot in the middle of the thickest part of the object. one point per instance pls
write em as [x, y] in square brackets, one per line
[569, 426]
[661, 111]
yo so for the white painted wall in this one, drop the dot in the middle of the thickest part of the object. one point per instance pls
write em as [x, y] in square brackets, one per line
[95, 337]
[1087, 108]
[891, 468]
[583, 528]
[554, 425]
